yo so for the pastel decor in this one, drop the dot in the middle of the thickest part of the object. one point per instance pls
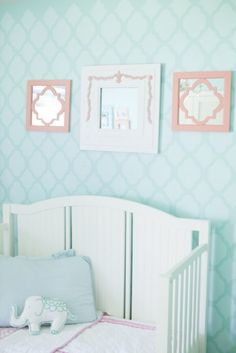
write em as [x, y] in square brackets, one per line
[201, 101]
[48, 105]
[39, 310]
[120, 108]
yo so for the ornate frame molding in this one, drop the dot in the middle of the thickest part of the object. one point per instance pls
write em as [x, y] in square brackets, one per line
[144, 137]
[118, 78]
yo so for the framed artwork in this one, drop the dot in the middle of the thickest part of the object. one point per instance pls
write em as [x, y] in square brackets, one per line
[48, 105]
[201, 101]
[120, 108]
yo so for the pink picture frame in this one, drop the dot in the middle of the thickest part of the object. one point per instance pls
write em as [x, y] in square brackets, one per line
[201, 101]
[48, 105]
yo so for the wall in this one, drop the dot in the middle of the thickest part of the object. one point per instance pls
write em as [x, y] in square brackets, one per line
[193, 175]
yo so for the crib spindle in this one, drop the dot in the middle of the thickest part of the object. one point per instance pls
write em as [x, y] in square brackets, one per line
[186, 297]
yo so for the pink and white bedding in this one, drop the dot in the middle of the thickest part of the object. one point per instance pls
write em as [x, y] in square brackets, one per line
[106, 335]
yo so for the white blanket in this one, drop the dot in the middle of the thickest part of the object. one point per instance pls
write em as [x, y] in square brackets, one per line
[106, 335]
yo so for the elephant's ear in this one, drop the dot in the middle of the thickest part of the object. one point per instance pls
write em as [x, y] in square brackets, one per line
[37, 306]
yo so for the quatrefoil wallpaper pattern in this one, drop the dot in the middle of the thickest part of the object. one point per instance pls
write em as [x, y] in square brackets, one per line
[195, 173]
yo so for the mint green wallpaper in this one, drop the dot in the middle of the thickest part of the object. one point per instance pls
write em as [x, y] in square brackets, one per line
[194, 175]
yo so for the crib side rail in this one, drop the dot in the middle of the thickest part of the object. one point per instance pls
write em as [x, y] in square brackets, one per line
[182, 325]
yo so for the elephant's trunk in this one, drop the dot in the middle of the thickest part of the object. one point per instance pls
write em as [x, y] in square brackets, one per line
[16, 321]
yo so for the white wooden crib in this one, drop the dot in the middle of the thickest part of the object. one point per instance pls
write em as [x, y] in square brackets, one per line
[148, 265]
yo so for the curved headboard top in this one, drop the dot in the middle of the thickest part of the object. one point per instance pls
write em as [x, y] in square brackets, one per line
[130, 244]
[87, 200]
[99, 201]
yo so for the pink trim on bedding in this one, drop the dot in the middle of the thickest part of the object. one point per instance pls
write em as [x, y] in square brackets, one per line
[107, 320]
[128, 323]
[7, 331]
[60, 349]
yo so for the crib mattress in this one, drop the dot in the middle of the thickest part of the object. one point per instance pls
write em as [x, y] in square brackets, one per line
[107, 335]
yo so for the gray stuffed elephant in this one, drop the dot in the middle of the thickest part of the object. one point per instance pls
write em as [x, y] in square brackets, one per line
[40, 310]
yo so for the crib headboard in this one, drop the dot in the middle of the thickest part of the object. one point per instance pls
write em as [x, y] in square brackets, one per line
[129, 244]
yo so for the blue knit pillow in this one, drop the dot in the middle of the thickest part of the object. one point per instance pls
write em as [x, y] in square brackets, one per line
[66, 278]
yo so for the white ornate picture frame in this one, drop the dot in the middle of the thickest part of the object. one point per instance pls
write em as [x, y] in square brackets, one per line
[120, 108]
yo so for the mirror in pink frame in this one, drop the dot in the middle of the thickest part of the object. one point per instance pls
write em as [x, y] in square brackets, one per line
[201, 101]
[48, 105]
